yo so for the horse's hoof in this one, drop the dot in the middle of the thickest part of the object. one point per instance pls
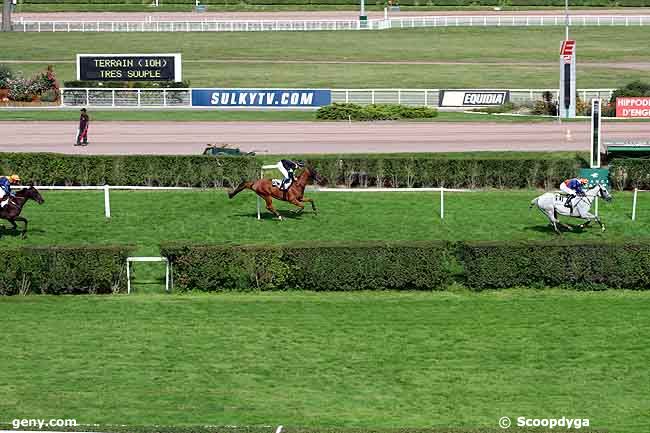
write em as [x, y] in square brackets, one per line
[603, 228]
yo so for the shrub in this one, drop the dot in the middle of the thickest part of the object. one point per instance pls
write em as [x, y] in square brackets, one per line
[320, 266]
[5, 75]
[546, 106]
[424, 170]
[20, 90]
[64, 270]
[127, 84]
[556, 264]
[635, 88]
[374, 112]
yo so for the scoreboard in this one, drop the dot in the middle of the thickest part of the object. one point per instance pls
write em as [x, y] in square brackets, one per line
[129, 67]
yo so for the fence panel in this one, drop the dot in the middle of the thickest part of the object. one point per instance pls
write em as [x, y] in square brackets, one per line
[327, 25]
[107, 97]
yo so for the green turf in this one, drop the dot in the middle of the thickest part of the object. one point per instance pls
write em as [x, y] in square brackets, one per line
[147, 218]
[498, 46]
[233, 115]
[337, 360]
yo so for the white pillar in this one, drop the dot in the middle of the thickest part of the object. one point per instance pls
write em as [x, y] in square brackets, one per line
[442, 203]
[128, 278]
[107, 202]
[634, 204]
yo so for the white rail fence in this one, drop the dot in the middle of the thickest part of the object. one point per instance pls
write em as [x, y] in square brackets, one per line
[175, 98]
[320, 25]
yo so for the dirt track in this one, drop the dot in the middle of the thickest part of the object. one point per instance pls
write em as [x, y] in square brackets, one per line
[307, 137]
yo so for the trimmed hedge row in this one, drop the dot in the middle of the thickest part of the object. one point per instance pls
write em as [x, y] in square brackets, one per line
[630, 173]
[64, 270]
[149, 170]
[425, 170]
[428, 265]
[189, 3]
[374, 112]
[351, 266]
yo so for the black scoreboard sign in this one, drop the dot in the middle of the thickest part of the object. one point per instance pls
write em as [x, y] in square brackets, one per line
[129, 67]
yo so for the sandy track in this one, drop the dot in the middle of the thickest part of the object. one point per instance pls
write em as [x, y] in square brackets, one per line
[307, 137]
[296, 15]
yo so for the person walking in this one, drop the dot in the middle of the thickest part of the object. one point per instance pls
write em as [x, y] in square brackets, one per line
[82, 132]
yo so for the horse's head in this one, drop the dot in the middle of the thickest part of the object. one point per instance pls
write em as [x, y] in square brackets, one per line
[604, 194]
[33, 193]
[313, 174]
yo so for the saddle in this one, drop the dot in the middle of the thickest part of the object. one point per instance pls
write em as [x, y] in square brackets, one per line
[278, 184]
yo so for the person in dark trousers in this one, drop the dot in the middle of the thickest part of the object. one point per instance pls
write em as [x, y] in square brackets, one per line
[82, 133]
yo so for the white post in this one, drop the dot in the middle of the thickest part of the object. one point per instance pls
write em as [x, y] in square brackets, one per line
[128, 278]
[596, 205]
[258, 197]
[634, 204]
[107, 202]
[442, 203]
[385, 13]
[167, 275]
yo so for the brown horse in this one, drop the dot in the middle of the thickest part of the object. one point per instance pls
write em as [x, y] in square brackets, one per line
[11, 211]
[294, 195]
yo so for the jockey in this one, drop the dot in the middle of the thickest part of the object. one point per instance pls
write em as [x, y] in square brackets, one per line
[573, 187]
[287, 168]
[5, 188]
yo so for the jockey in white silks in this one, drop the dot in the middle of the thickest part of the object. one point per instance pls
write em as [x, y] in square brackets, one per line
[287, 168]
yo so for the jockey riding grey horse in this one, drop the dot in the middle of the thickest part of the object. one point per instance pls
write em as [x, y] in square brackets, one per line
[552, 203]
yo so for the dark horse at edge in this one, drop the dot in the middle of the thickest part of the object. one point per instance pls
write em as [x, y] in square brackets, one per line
[294, 195]
[11, 211]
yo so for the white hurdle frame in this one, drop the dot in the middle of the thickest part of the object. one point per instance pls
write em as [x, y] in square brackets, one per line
[259, 200]
[634, 201]
[146, 259]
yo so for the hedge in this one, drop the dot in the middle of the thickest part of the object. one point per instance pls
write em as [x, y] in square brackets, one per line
[149, 170]
[557, 264]
[419, 170]
[374, 112]
[64, 270]
[461, 3]
[630, 173]
[431, 265]
[324, 266]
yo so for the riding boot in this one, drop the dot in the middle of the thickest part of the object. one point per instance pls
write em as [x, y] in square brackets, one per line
[568, 202]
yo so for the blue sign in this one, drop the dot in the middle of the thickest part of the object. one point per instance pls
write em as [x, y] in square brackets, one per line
[260, 98]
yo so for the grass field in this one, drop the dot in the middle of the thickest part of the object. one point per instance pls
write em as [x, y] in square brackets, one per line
[99, 114]
[335, 360]
[489, 57]
[147, 218]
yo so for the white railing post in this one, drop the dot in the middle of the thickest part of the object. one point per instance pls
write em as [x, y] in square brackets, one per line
[128, 278]
[139, 100]
[634, 204]
[164, 97]
[107, 201]
[442, 203]
[87, 96]
[113, 98]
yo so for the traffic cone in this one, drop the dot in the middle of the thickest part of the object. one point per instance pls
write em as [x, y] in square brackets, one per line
[567, 136]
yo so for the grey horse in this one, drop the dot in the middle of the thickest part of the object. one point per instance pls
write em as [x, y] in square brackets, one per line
[552, 203]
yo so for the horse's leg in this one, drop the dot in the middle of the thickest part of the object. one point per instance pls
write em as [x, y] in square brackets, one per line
[24, 220]
[299, 204]
[550, 214]
[269, 206]
[313, 205]
[13, 224]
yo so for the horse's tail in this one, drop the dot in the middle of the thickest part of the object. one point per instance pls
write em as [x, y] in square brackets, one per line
[242, 186]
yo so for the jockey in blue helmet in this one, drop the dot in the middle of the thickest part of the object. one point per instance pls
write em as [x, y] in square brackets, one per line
[5, 188]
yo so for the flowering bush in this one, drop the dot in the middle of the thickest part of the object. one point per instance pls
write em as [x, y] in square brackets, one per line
[5, 75]
[20, 89]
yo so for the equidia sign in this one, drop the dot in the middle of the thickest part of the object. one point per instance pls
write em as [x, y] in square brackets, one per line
[260, 97]
[473, 98]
